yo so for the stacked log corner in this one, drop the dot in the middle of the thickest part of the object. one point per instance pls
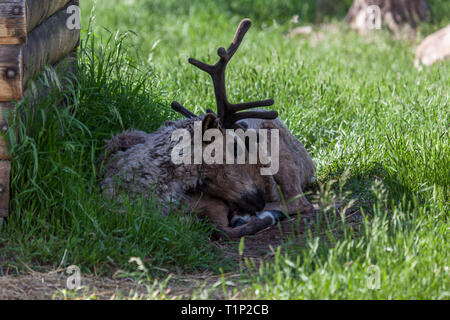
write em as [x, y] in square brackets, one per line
[33, 34]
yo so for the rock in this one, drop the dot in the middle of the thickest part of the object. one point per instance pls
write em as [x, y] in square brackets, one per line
[435, 47]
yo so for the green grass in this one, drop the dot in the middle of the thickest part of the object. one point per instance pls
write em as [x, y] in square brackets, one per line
[59, 217]
[398, 253]
[370, 120]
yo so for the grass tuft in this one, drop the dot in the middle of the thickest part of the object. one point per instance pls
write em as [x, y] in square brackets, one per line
[58, 216]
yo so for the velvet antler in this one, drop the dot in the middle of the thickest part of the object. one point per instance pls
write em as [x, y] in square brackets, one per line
[229, 113]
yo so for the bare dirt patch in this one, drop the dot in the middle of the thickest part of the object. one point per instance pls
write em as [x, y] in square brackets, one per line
[258, 247]
[44, 286]
[290, 231]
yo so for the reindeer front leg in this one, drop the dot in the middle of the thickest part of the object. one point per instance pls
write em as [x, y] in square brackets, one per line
[217, 212]
[254, 225]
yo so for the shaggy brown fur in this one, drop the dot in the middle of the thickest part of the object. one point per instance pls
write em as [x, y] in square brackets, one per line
[297, 171]
[140, 164]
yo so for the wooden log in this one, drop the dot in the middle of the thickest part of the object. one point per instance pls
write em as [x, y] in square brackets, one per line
[4, 149]
[39, 10]
[5, 168]
[48, 43]
[19, 17]
[13, 28]
[6, 110]
[11, 72]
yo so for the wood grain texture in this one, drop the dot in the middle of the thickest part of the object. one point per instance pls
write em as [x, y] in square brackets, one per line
[3, 149]
[13, 28]
[11, 72]
[48, 43]
[5, 112]
[19, 17]
[39, 10]
[5, 169]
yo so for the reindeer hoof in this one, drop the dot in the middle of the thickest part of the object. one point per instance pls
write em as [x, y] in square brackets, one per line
[275, 215]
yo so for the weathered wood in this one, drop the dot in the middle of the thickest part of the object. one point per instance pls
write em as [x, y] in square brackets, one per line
[19, 17]
[5, 111]
[5, 168]
[39, 10]
[11, 72]
[3, 149]
[13, 22]
[48, 43]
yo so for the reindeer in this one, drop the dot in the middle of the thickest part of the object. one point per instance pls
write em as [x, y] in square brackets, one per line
[140, 164]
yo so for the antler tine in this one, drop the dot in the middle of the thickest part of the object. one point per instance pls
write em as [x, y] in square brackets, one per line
[226, 111]
[241, 31]
[182, 110]
[225, 55]
[267, 115]
[201, 65]
[250, 105]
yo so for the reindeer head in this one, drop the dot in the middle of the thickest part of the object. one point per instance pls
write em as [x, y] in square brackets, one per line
[234, 183]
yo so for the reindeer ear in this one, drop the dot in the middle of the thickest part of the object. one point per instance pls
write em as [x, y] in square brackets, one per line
[210, 122]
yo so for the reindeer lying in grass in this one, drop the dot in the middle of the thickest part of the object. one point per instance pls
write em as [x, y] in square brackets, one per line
[141, 164]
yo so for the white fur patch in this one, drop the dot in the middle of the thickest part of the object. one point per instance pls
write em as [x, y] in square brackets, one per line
[266, 214]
